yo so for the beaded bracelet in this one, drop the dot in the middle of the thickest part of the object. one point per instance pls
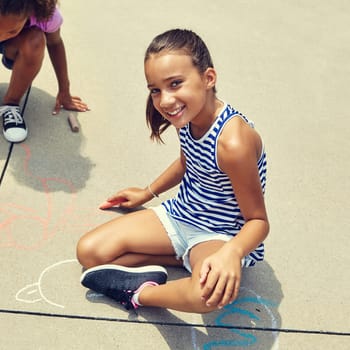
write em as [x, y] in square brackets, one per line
[153, 194]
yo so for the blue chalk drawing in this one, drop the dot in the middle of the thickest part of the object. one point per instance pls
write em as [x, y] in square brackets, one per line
[243, 338]
[242, 307]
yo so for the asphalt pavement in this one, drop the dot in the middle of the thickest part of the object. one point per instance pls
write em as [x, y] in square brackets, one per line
[285, 65]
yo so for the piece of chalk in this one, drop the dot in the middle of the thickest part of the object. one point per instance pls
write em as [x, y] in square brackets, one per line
[73, 122]
[110, 204]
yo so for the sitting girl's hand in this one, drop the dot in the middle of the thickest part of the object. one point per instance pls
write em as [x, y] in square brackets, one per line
[220, 277]
[129, 198]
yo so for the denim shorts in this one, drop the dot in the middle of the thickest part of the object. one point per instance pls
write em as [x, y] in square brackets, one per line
[184, 236]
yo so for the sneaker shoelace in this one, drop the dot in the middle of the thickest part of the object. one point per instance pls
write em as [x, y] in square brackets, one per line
[127, 299]
[13, 115]
[123, 297]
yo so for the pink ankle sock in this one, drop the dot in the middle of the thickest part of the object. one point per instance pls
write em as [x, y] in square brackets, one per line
[135, 297]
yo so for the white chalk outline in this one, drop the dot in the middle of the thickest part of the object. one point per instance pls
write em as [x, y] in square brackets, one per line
[38, 285]
[275, 346]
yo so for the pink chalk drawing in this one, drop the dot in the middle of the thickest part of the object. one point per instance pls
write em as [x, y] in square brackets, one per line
[45, 218]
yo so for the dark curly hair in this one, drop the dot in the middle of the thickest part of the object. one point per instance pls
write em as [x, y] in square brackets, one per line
[175, 40]
[41, 9]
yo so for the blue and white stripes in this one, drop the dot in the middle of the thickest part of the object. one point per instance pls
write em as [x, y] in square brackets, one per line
[206, 198]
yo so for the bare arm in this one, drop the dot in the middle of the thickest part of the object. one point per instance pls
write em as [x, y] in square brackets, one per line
[171, 177]
[57, 53]
[133, 196]
[239, 150]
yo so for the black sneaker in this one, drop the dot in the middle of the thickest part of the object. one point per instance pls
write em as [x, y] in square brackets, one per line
[120, 283]
[14, 127]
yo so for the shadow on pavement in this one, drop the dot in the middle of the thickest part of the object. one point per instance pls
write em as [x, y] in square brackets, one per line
[49, 159]
[254, 313]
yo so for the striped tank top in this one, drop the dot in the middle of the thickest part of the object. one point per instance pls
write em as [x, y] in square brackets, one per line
[206, 198]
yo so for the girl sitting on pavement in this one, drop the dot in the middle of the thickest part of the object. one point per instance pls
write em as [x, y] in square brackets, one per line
[216, 223]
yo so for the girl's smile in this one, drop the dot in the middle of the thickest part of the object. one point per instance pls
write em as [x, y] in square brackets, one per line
[177, 113]
[179, 92]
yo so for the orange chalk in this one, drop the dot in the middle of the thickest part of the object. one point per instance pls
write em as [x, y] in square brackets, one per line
[73, 122]
[113, 203]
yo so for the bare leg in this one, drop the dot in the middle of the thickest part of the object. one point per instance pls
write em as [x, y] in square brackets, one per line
[27, 50]
[140, 239]
[184, 294]
[134, 239]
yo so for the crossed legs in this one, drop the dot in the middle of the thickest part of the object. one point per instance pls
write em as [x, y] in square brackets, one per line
[139, 239]
[135, 239]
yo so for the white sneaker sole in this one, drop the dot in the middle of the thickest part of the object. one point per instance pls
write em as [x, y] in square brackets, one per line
[142, 269]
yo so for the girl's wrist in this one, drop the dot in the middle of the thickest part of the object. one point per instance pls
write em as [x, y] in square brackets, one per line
[154, 194]
[64, 89]
[236, 249]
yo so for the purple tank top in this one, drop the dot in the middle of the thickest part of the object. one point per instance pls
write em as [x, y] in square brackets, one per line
[49, 26]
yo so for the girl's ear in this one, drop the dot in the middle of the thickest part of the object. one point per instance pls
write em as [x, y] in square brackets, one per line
[210, 77]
